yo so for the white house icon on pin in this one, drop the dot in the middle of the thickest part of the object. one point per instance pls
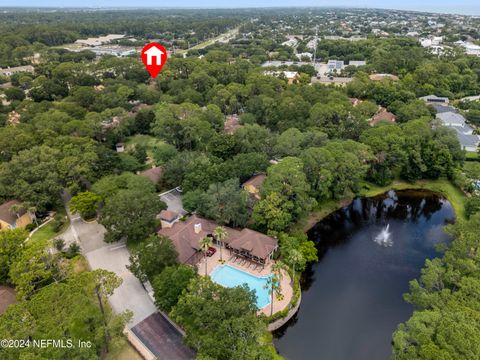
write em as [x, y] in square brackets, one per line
[156, 53]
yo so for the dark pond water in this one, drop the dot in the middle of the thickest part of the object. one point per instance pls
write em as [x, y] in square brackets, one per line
[352, 298]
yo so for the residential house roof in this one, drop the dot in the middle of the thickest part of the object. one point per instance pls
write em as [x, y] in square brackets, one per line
[451, 118]
[378, 77]
[186, 236]
[435, 98]
[467, 140]
[168, 215]
[442, 108]
[382, 115]
[257, 244]
[464, 131]
[154, 174]
[7, 215]
[7, 297]
[256, 181]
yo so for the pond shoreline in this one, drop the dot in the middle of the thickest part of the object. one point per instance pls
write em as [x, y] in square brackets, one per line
[366, 281]
[442, 187]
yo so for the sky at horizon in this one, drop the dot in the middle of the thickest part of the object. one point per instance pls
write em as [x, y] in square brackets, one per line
[467, 7]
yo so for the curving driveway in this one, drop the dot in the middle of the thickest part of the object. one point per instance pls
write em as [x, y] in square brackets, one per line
[154, 330]
[130, 295]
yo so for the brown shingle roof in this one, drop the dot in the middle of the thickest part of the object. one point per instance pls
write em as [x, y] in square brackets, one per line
[168, 215]
[256, 181]
[7, 297]
[8, 216]
[257, 244]
[186, 240]
[382, 115]
[379, 77]
[154, 174]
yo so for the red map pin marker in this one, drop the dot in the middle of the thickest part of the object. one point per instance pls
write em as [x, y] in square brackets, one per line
[154, 56]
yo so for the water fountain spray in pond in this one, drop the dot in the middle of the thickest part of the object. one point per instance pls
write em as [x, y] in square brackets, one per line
[384, 237]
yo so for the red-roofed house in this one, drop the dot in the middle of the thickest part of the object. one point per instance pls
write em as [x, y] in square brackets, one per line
[154, 174]
[382, 115]
[168, 218]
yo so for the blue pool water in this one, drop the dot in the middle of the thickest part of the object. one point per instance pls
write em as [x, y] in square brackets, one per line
[228, 276]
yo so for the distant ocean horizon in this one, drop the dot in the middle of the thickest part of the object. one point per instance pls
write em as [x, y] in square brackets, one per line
[459, 10]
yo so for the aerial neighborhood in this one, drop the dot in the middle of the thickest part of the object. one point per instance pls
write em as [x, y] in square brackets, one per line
[297, 183]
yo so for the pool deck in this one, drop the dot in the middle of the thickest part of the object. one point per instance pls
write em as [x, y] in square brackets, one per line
[285, 283]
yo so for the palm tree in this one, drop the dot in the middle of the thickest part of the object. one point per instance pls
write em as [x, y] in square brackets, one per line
[33, 213]
[16, 208]
[277, 268]
[205, 243]
[220, 234]
[294, 257]
[274, 282]
[273, 286]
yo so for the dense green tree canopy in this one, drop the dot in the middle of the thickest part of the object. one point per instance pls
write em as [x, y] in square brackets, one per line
[151, 257]
[288, 179]
[11, 243]
[130, 214]
[69, 311]
[169, 285]
[446, 323]
[234, 310]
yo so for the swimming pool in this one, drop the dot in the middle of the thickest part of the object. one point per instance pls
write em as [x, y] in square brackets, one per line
[228, 276]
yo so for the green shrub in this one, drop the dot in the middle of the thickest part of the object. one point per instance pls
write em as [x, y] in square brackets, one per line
[58, 222]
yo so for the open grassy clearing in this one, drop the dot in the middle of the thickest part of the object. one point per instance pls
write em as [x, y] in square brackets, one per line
[150, 142]
[48, 231]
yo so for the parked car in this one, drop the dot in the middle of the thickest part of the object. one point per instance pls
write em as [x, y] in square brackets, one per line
[211, 251]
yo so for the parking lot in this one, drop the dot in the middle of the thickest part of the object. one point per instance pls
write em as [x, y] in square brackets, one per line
[173, 199]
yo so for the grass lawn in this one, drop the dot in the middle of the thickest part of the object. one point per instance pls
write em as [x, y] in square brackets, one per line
[150, 142]
[47, 232]
[124, 351]
[441, 186]
[472, 169]
[472, 155]
[147, 140]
